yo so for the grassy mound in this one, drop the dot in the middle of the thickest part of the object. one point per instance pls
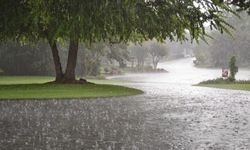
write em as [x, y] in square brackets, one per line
[224, 81]
[33, 88]
[226, 84]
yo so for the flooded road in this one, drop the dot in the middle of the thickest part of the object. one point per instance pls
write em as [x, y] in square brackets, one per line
[172, 114]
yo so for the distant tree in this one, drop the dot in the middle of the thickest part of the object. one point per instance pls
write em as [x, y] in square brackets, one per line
[140, 53]
[118, 52]
[157, 52]
[92, 58]
[107, 20]
[222, 47]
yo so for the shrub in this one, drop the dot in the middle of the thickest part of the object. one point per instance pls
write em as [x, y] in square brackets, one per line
[233, 68]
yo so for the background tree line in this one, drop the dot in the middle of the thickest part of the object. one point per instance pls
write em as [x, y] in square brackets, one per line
[221, 48]
[91, 61]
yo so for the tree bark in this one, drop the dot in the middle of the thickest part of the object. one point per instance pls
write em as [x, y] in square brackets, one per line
[57, 62]
[69, 75]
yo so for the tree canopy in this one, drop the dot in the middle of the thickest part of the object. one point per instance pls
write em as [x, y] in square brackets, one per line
[113, 20]
[107, 20]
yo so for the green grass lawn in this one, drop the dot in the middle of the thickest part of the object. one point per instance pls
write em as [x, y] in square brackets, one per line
[233, 86]
[32, 87]
[226, 84]
[7, 80]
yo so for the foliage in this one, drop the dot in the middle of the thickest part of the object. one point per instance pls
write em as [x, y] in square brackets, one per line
[19, 59]
[157, 52]
[233, 68]
[219, 49]
[224, 81]
[1, 72]
[241, 4]
[216, 81]
[119, 53]
[139, 53]
[90, 58]
[13, 58]
[146, 69]
[110, 20]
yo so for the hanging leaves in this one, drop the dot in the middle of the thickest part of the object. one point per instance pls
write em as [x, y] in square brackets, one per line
[110, 20]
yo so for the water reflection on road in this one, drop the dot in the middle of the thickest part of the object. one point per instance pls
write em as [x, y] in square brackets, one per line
[172, 114]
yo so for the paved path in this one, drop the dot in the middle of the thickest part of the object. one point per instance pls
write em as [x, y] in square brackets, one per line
[171, 114]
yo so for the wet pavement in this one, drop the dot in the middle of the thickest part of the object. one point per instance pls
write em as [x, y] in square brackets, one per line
[172, 114]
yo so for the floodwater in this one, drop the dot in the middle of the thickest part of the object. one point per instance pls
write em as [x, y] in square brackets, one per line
[171, 115]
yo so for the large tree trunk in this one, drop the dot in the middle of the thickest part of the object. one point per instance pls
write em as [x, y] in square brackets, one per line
[69, 76]
[57, 62]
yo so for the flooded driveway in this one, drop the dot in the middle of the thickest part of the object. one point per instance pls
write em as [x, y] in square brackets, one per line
[172, 114]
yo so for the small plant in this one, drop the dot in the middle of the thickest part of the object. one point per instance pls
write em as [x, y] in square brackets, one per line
[233, 68]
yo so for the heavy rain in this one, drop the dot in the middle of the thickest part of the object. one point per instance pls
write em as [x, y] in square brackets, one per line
[124, 75]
